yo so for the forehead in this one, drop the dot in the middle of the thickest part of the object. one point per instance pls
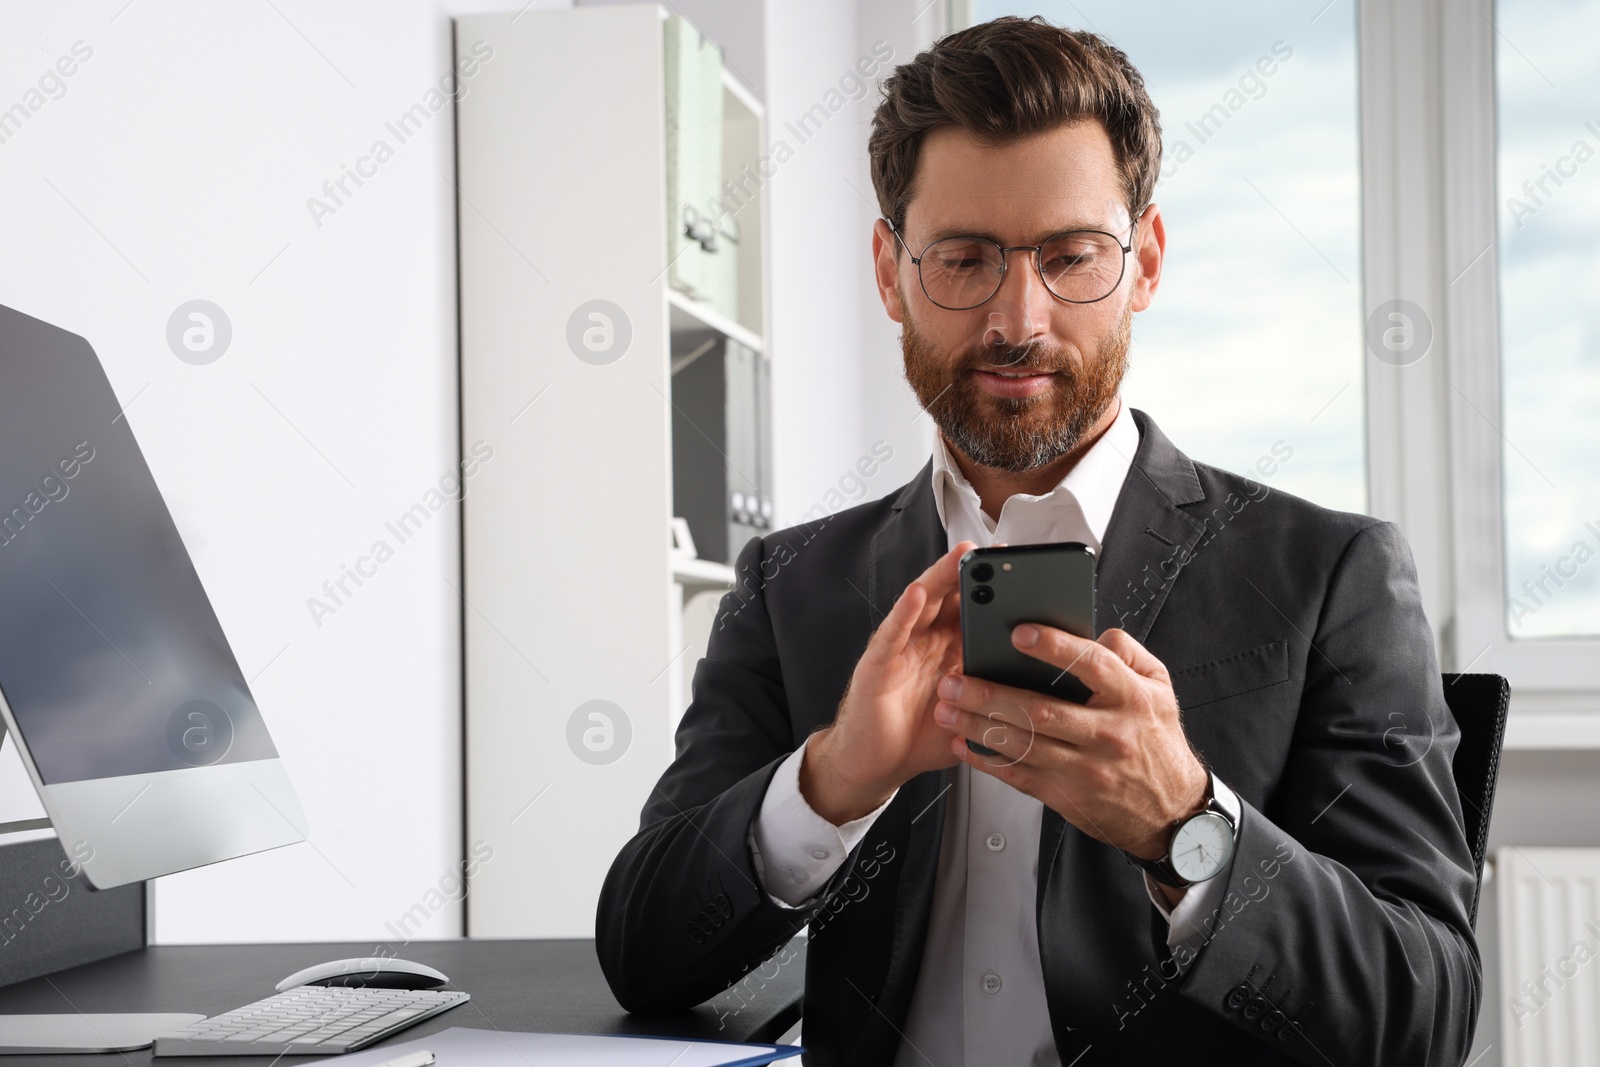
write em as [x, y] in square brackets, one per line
[1062, 178]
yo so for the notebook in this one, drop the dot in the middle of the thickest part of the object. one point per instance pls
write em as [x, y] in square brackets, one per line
[460, 1046]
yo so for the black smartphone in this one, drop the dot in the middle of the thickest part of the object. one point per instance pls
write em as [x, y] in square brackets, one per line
[1001, 587]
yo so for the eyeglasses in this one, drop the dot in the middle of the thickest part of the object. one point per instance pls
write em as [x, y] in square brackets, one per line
[1078, 266]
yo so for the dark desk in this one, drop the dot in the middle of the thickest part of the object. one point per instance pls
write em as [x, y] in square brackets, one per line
[553, 986]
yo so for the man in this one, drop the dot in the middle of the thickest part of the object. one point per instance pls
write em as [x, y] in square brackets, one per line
[1263, 667]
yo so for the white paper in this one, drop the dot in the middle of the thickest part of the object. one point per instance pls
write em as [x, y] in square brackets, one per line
[460, 1047]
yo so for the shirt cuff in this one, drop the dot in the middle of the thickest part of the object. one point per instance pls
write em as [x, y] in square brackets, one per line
[795, 851]
[1185, 923]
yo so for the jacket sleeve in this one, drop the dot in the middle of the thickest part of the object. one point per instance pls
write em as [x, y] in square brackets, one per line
[683, 914]
[1344, 937]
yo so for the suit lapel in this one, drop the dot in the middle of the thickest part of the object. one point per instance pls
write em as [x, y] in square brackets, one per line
[905, 546]
[1149, 538]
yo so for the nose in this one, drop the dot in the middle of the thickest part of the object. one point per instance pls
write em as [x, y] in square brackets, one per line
[1019, 314]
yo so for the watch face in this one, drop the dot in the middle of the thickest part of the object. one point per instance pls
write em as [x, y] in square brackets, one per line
[1202, 846]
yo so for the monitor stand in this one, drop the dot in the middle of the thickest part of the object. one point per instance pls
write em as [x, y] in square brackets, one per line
[56, 1034]
[76, 1032]
[21, 824]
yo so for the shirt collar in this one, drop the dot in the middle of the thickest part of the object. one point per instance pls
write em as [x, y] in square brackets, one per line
[1094, 481]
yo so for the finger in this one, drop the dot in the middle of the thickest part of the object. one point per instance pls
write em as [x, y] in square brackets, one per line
[893, 633]
[1014, 742]
[1100, 668]
[944, 574]
[937, 610]
[920, 603]
[1139, 659]
[1020, 776]
[1060, 720]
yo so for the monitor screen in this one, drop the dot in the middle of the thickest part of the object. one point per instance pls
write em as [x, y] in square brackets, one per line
[111, 659]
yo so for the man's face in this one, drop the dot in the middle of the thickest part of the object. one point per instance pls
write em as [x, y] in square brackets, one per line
[1018, 381]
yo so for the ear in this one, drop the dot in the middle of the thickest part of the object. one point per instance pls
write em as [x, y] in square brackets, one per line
[1149, 251]
[887, 255]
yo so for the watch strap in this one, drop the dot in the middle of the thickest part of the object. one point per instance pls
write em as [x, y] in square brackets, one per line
[1219, 799]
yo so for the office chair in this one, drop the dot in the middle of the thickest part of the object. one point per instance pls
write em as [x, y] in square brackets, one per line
[1479, 703]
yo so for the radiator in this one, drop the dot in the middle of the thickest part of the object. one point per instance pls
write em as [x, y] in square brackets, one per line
[1549, 956]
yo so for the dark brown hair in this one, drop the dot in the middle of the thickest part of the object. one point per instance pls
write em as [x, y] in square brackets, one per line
[1005, 79]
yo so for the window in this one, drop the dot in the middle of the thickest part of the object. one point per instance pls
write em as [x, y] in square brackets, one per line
[1548, 221]
[1253, 347]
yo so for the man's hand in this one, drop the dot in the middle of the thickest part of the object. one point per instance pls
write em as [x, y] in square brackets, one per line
[884, 734]
[1119, 768]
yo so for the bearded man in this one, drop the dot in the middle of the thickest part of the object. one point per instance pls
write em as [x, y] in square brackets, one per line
[1254, 655]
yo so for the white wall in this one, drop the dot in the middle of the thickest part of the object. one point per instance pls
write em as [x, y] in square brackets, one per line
[836, 356]
[177, 165]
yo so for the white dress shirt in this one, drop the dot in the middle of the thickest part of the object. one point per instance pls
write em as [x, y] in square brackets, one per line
[980, 995]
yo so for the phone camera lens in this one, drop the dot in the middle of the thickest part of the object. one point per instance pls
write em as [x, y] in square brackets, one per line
[982, 594]
[982, 572]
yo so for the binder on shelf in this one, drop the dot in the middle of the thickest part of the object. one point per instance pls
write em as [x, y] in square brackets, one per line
[721, 443]
[702, 242]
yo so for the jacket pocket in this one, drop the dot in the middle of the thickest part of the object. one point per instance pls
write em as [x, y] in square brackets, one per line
[1232, 675]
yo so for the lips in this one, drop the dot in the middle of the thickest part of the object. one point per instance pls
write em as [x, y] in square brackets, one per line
[1013, 382]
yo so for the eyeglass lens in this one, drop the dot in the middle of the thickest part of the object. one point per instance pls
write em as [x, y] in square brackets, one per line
[963, 272]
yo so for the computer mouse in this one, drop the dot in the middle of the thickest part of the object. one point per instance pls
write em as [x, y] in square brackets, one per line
[373, 972]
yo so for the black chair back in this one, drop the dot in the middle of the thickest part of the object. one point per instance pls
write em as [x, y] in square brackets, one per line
[1479, 703]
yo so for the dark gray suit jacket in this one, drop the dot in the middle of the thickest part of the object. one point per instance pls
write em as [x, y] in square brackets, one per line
[1300, 655]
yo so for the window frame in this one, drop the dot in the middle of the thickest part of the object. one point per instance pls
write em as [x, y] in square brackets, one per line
[1434, 445]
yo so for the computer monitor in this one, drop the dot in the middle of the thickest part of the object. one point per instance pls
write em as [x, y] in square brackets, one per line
[117, 684]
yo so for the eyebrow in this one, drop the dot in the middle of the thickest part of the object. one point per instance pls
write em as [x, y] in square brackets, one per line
[942, 232]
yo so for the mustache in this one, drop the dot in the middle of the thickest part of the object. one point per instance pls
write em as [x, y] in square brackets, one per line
[1013, 358]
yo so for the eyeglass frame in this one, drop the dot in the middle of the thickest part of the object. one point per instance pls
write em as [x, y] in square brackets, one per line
[1038, 262]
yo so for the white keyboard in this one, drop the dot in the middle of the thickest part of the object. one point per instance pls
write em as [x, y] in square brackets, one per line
[309, 1021]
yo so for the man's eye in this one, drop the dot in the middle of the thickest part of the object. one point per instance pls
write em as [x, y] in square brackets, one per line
[1062, 263]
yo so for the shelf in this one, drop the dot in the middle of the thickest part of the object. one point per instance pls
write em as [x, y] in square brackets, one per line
[688, 316]
[736, 89]
[702, 574]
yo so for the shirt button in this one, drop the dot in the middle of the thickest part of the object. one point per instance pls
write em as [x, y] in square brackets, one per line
[819, 853]
[996, 841]
[991, 983]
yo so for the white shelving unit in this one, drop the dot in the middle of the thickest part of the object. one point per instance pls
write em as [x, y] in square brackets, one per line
[573, 594]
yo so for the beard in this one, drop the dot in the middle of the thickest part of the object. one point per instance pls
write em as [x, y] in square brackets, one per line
[1016, 434]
